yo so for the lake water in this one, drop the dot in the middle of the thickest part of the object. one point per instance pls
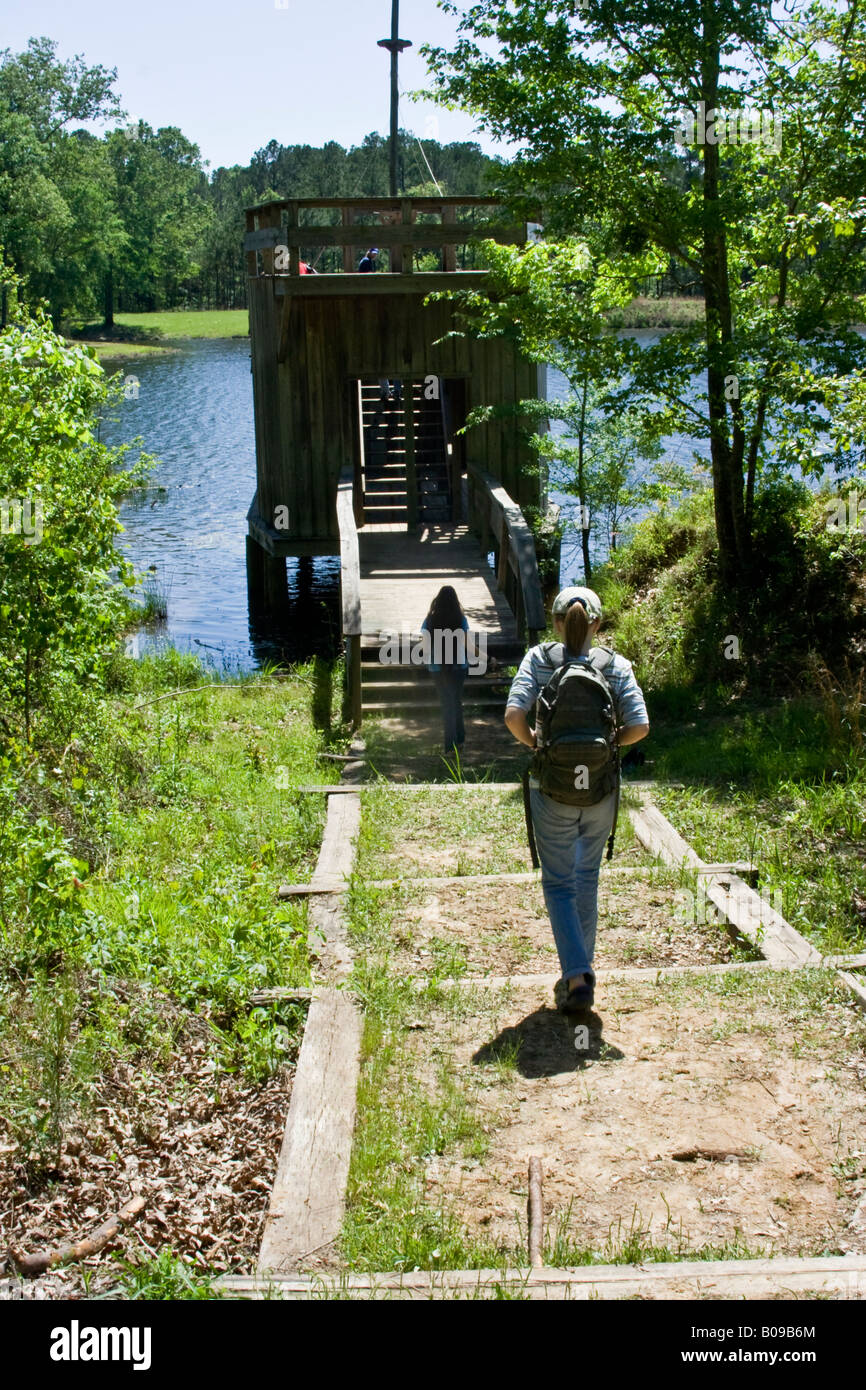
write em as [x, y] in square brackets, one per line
[194, 411]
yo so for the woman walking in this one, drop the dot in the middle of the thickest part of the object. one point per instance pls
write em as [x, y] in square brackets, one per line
[447, 628]
[571, 838]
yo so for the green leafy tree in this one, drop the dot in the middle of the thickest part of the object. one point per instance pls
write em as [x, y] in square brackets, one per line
[56, 215]
[626, 118]
[60, 606]
[161, 194]
[552, 301]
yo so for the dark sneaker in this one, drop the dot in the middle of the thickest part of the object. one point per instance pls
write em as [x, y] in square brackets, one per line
[578, 1000]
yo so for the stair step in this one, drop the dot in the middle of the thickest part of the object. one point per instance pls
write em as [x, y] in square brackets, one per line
[383, 672]
[414, 707]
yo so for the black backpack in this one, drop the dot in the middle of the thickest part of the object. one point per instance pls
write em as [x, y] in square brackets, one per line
[577, 761]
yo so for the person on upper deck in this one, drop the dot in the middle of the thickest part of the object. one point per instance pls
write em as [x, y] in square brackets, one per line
[368, 262]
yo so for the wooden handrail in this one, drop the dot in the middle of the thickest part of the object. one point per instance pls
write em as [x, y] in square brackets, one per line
[350, 592]
[387, 222]
[499, 519]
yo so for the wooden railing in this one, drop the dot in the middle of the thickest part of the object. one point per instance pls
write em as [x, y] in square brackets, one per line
[503, 528]
[277, 231]
[350, 593]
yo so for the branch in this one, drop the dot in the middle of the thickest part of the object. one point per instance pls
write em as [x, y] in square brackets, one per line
[33, 1265]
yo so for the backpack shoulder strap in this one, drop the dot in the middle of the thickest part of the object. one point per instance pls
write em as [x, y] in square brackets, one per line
[554, 653]
[601, 657]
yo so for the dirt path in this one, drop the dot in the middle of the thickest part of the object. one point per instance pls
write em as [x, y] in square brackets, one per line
[708, 1113]
[720, 1064]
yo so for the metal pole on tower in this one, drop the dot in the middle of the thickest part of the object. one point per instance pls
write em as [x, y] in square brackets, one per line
[395, 47]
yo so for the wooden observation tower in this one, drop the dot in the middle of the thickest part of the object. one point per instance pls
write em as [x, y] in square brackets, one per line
[359, 394]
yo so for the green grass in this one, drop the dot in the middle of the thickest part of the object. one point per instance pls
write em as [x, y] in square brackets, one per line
[187, 898]
[403, 1118]
[140, 887]
[121, 351]
[634, 1243]
[164, 1278]
[192, 323]
[667, 312]
[782, 787]
[481, 832]
[442, 820]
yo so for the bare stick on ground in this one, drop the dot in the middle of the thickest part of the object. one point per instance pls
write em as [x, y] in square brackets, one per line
[535, 1213]
[32, 1265]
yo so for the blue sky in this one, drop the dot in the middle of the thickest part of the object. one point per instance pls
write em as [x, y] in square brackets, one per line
[234, 74]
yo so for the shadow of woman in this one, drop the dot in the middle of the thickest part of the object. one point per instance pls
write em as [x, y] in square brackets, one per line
[546, 1043]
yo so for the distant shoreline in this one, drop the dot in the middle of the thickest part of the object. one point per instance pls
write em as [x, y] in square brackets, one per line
[161, 332]
[143, 335]
[667, 312]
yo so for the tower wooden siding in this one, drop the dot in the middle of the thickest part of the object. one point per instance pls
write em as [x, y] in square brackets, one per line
[313, 337]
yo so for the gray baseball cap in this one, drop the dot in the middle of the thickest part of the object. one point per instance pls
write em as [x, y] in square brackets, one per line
[566, 597]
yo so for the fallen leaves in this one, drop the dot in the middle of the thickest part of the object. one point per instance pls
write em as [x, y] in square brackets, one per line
[203, 1152]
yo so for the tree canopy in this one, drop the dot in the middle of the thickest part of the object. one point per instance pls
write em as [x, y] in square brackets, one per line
[131, 218]
[728, 135]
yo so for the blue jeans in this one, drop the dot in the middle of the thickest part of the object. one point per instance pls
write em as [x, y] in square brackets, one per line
[571, 841]
[449, 682]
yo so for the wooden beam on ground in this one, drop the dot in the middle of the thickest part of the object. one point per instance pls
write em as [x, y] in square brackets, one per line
[526, 876]
[855, 986]
[307, 1202]
[628, 972]
[535, 1213]
[308, 890]
[656, 834]
[337, 851]
[758, 922]
[685, 1279]
[328, 938]
[305, 1213]
[753, 917]
[336, 788]
[743, 867]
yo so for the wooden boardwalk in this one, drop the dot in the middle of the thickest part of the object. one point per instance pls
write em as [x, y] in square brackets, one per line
[391, 571]
[402, 570]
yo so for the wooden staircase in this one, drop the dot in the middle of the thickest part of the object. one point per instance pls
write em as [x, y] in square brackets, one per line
[385, 486]
[403, 689]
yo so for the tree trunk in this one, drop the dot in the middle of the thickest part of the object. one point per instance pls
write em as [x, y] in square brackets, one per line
[726, 445]
[108, 289]
[584, 506]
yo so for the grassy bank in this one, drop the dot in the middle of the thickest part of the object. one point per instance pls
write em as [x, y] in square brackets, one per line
[137, 916]
[170, 324]
[668, 312]
[189, 323]
[757, 703]
[123, 351]
[143, 335]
